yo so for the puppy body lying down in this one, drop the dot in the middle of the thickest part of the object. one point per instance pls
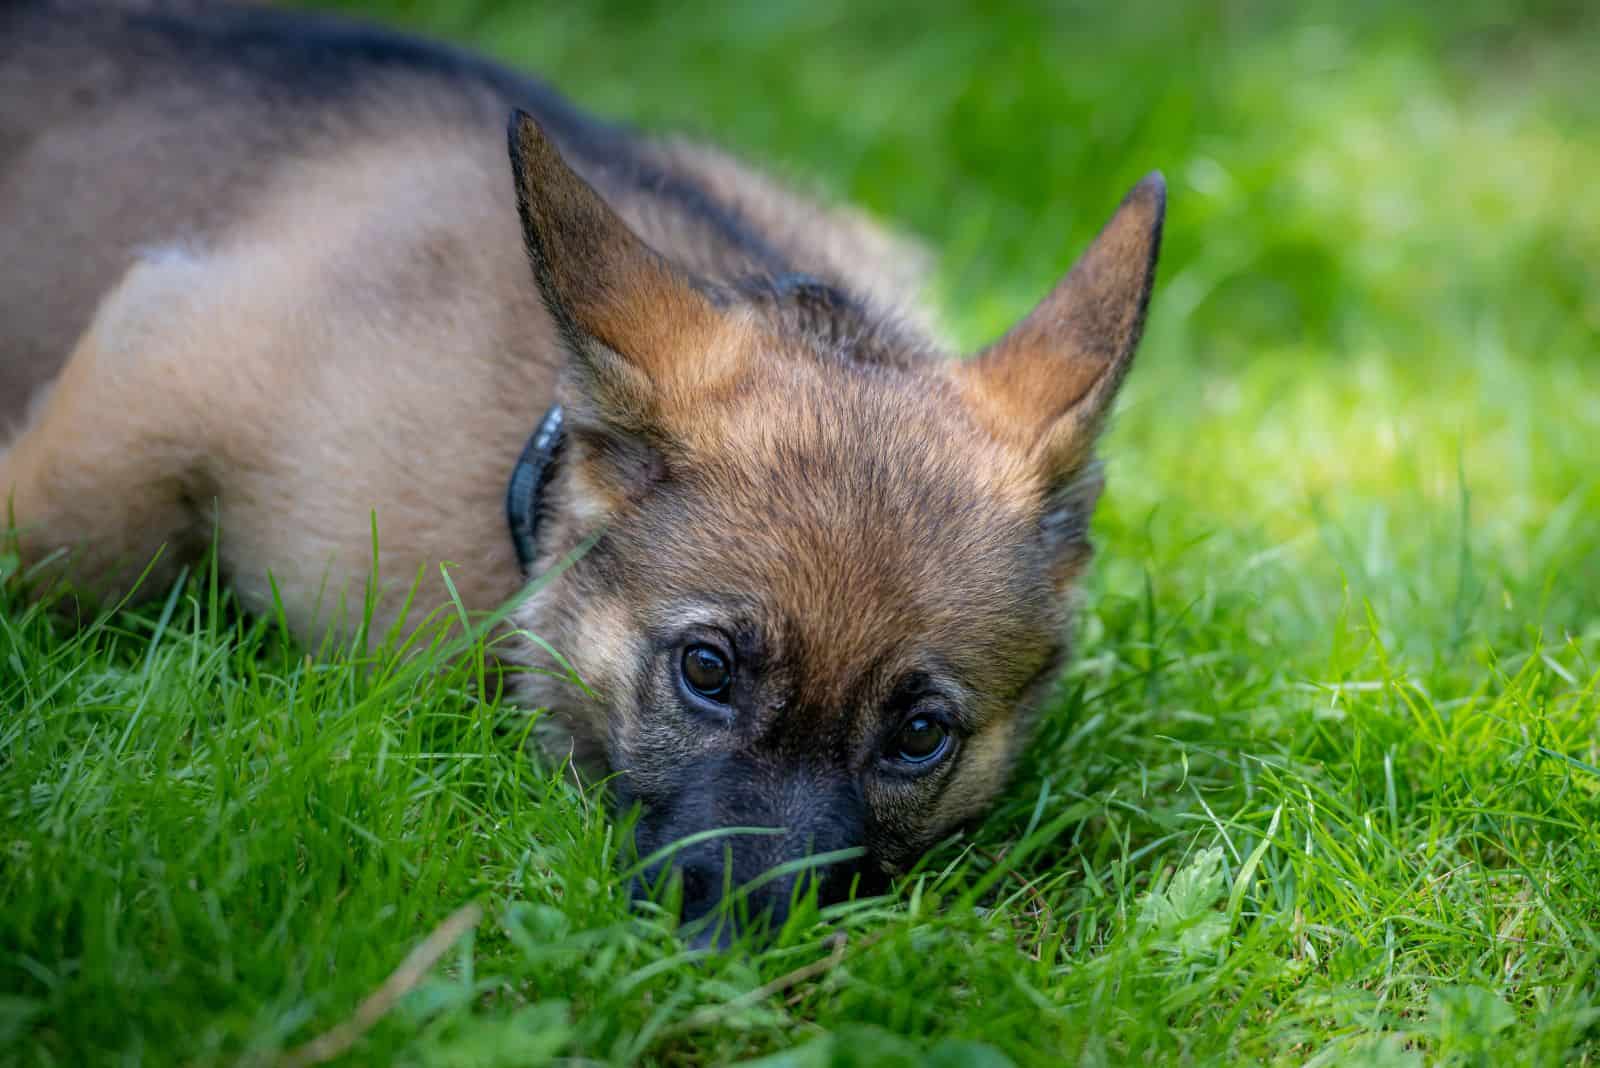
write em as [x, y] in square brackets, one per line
[281, 275]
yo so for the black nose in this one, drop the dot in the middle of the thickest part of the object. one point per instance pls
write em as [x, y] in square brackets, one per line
[787, 833]
[714, 912]
[767, 898]
[735, 889]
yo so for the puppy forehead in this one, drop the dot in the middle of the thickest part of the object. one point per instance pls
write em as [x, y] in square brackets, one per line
[863, 529]
[853, 426]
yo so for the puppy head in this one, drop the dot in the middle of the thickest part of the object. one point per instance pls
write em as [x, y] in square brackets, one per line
[830, 572]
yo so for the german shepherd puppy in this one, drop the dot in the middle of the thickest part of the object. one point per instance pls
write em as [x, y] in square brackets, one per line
[269, 273]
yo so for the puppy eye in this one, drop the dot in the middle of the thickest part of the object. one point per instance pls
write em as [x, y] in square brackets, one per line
[922, 741]
[707, 672]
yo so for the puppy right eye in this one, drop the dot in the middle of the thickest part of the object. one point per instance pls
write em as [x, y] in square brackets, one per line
[706, 672]
[921, 741]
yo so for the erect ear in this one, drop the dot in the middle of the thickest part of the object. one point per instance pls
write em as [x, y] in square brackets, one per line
[635, 324]
[1048, 384]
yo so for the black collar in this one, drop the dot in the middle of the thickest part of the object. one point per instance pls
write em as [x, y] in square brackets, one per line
[535, 467]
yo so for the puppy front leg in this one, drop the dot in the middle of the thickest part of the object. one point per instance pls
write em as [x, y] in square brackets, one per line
[101, 485]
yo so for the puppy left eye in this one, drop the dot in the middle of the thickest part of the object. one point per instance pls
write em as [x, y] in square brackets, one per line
[921, 742]
[707, 672]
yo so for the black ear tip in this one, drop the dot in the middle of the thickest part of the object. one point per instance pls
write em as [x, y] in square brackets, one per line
[531, 150]
[1152, 190]
[523, 132]
[514, 134]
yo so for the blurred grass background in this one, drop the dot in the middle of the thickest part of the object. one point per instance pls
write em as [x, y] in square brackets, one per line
[1323, 787]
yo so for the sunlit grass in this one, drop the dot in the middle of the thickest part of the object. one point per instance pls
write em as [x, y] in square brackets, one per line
[1324, 784]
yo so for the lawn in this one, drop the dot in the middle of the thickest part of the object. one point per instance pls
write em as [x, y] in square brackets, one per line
[1323, 785]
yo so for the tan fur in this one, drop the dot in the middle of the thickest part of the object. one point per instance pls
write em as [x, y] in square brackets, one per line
[304, 371]
[343, 323]
[297, 324]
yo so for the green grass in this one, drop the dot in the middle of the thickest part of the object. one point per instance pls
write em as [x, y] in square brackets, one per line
[1324, 784]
